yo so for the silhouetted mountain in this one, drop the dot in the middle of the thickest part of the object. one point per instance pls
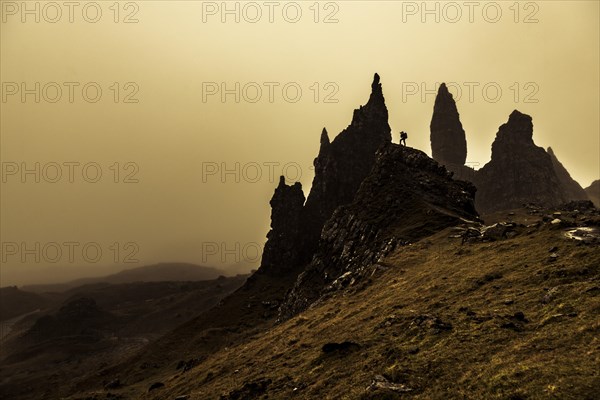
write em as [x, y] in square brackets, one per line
[448, 141]
[162, 272]
[593, 192]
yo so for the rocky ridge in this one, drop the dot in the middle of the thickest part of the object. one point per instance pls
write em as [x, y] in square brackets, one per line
[406, 197]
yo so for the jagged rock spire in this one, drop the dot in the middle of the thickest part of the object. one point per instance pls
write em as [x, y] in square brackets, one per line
[376, 90]
[340, 167]
[448, 140]
[343, 163]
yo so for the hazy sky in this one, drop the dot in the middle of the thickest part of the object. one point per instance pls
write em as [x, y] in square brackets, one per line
[162, 130]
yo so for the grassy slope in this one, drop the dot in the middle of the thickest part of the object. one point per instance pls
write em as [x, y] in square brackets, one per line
[488, 353]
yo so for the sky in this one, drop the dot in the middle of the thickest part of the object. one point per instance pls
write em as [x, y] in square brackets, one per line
[155, 131]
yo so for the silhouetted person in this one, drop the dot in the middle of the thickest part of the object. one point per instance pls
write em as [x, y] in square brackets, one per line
[403, 137]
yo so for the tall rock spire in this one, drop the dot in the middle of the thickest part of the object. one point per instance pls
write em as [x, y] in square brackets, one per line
[448, 141]
[342, 164]
[376, 91]
[340, 167]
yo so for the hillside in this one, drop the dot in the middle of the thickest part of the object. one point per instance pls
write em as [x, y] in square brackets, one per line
[97, 325]
[514, 318]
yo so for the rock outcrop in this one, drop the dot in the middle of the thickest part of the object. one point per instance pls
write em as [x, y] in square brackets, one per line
[340, 167]
[571, 189]
[448, 141]
[519, 172]
[281, 250]
[593, 192]
[343, 164]
[407, 196]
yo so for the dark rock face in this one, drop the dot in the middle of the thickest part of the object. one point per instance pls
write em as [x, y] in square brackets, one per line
[340, 167]
[281, 249]
[448, 141]
[343, 164]
[406, 197]
[571, 189]
[519, 172]
[593, 192]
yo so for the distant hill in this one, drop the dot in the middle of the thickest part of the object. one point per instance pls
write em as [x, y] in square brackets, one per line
[15, 302]
[92, 326]
[161, 272]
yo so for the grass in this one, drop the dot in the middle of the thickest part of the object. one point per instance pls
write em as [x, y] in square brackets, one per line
[477, 321]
